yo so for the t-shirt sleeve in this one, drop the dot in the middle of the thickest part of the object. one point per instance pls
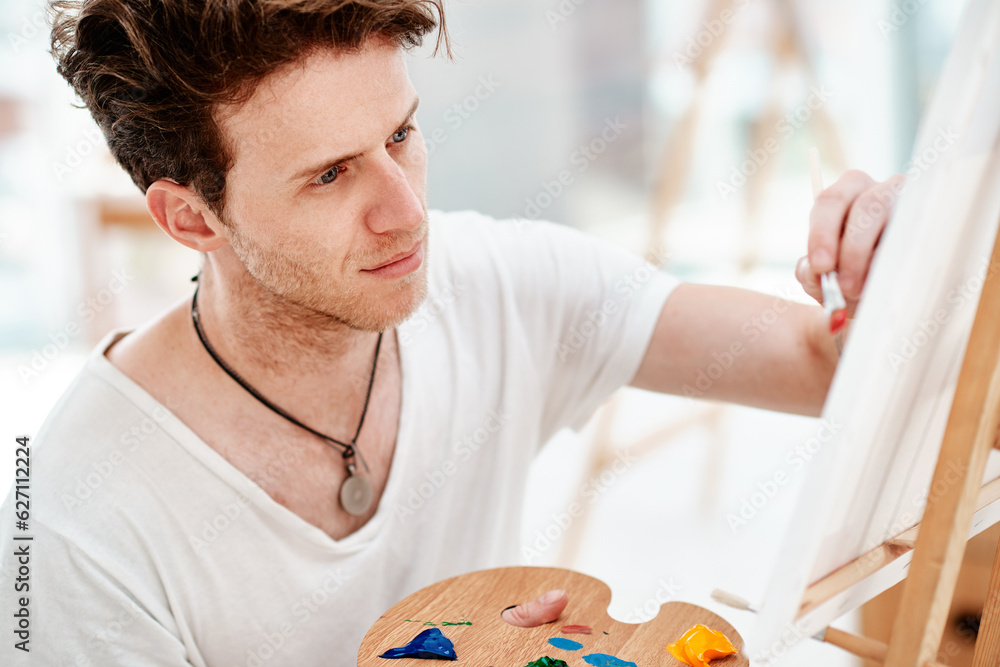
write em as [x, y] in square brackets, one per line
[589, 310]
[79, 613]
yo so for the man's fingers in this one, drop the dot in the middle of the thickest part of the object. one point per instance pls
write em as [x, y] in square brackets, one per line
[865, 222]
[537, 612]
[826, 221]
[809, 280]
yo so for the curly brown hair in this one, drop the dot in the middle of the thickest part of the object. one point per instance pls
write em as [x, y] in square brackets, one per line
[152, 72]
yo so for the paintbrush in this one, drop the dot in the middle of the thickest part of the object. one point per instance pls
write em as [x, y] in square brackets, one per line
[732, 600]
[860, 646]
[833, 298]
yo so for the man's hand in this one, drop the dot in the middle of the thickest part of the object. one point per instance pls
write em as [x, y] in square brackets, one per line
[727, 344]
[537, 612]
[844, 227]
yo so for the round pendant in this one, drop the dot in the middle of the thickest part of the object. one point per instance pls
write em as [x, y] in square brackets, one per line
[356, 495]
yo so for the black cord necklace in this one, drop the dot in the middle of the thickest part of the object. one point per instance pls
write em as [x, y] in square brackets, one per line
[356, 492]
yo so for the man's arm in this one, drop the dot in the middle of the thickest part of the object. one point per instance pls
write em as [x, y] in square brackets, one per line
[81, 611]
[734, 345]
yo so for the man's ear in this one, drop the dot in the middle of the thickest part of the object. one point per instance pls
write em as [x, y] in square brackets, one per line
[185, 216]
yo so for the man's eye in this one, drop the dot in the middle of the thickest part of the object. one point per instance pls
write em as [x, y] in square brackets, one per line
[330, 176]
[400, 136]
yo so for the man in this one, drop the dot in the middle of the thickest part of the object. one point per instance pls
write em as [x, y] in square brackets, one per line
[283, 457]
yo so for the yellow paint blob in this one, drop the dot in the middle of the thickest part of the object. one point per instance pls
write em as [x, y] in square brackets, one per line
[699, 645]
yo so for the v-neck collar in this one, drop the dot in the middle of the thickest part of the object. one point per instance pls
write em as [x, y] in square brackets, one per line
[102, 367]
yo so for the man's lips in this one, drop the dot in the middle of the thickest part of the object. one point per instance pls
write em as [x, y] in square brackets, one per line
[396, 258]
[401, 263]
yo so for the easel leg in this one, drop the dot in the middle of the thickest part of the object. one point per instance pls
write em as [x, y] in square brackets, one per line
[944, 530]
[988, 641]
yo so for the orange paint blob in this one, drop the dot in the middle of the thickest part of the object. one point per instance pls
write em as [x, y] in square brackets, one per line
[699, 645]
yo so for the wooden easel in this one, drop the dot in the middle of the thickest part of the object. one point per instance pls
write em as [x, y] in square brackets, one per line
[938, 543]
[969, 436]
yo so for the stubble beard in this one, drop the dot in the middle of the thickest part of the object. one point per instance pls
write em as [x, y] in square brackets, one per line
[302, 297]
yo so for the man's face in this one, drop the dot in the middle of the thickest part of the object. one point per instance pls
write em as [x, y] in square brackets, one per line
[328, 185]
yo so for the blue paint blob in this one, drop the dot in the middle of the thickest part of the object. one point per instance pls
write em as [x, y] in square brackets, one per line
[430, 644]
[605, 660]
[565, 644]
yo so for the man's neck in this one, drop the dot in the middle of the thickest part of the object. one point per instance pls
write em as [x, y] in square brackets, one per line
[262, 335]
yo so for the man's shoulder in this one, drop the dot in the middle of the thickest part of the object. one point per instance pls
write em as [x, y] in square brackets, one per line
[470, 226]
[88, 442]
[470, 241]
[90, 408]
[463, 231]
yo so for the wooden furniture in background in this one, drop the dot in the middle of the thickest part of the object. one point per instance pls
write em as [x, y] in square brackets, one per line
[669, 185]
[788, 50]
[99, 219]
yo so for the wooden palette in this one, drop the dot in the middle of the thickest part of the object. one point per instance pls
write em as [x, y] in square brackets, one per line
[480, 597]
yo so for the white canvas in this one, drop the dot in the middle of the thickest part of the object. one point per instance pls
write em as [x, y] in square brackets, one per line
[893, 389]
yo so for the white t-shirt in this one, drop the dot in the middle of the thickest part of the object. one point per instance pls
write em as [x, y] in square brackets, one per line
[151, 549]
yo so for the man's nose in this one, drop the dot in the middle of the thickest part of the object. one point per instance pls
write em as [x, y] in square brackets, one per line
[394, 205]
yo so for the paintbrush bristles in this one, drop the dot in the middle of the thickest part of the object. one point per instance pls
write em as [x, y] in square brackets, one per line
[731, 600]
[736, 602]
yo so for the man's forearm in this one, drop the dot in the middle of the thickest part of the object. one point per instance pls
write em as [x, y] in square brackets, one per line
[729, 344]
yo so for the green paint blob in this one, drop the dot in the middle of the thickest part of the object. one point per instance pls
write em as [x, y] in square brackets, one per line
[462, 622]
[547, 662]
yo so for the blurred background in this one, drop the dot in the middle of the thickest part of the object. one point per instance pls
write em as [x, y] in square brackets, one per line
[678, 130]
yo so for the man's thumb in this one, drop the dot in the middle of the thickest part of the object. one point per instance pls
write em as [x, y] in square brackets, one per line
[537, 612]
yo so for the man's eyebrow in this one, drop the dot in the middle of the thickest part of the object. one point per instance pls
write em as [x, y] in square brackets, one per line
[326, 165]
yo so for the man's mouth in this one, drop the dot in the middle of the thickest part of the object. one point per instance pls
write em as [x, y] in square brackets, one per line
[400, 264]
